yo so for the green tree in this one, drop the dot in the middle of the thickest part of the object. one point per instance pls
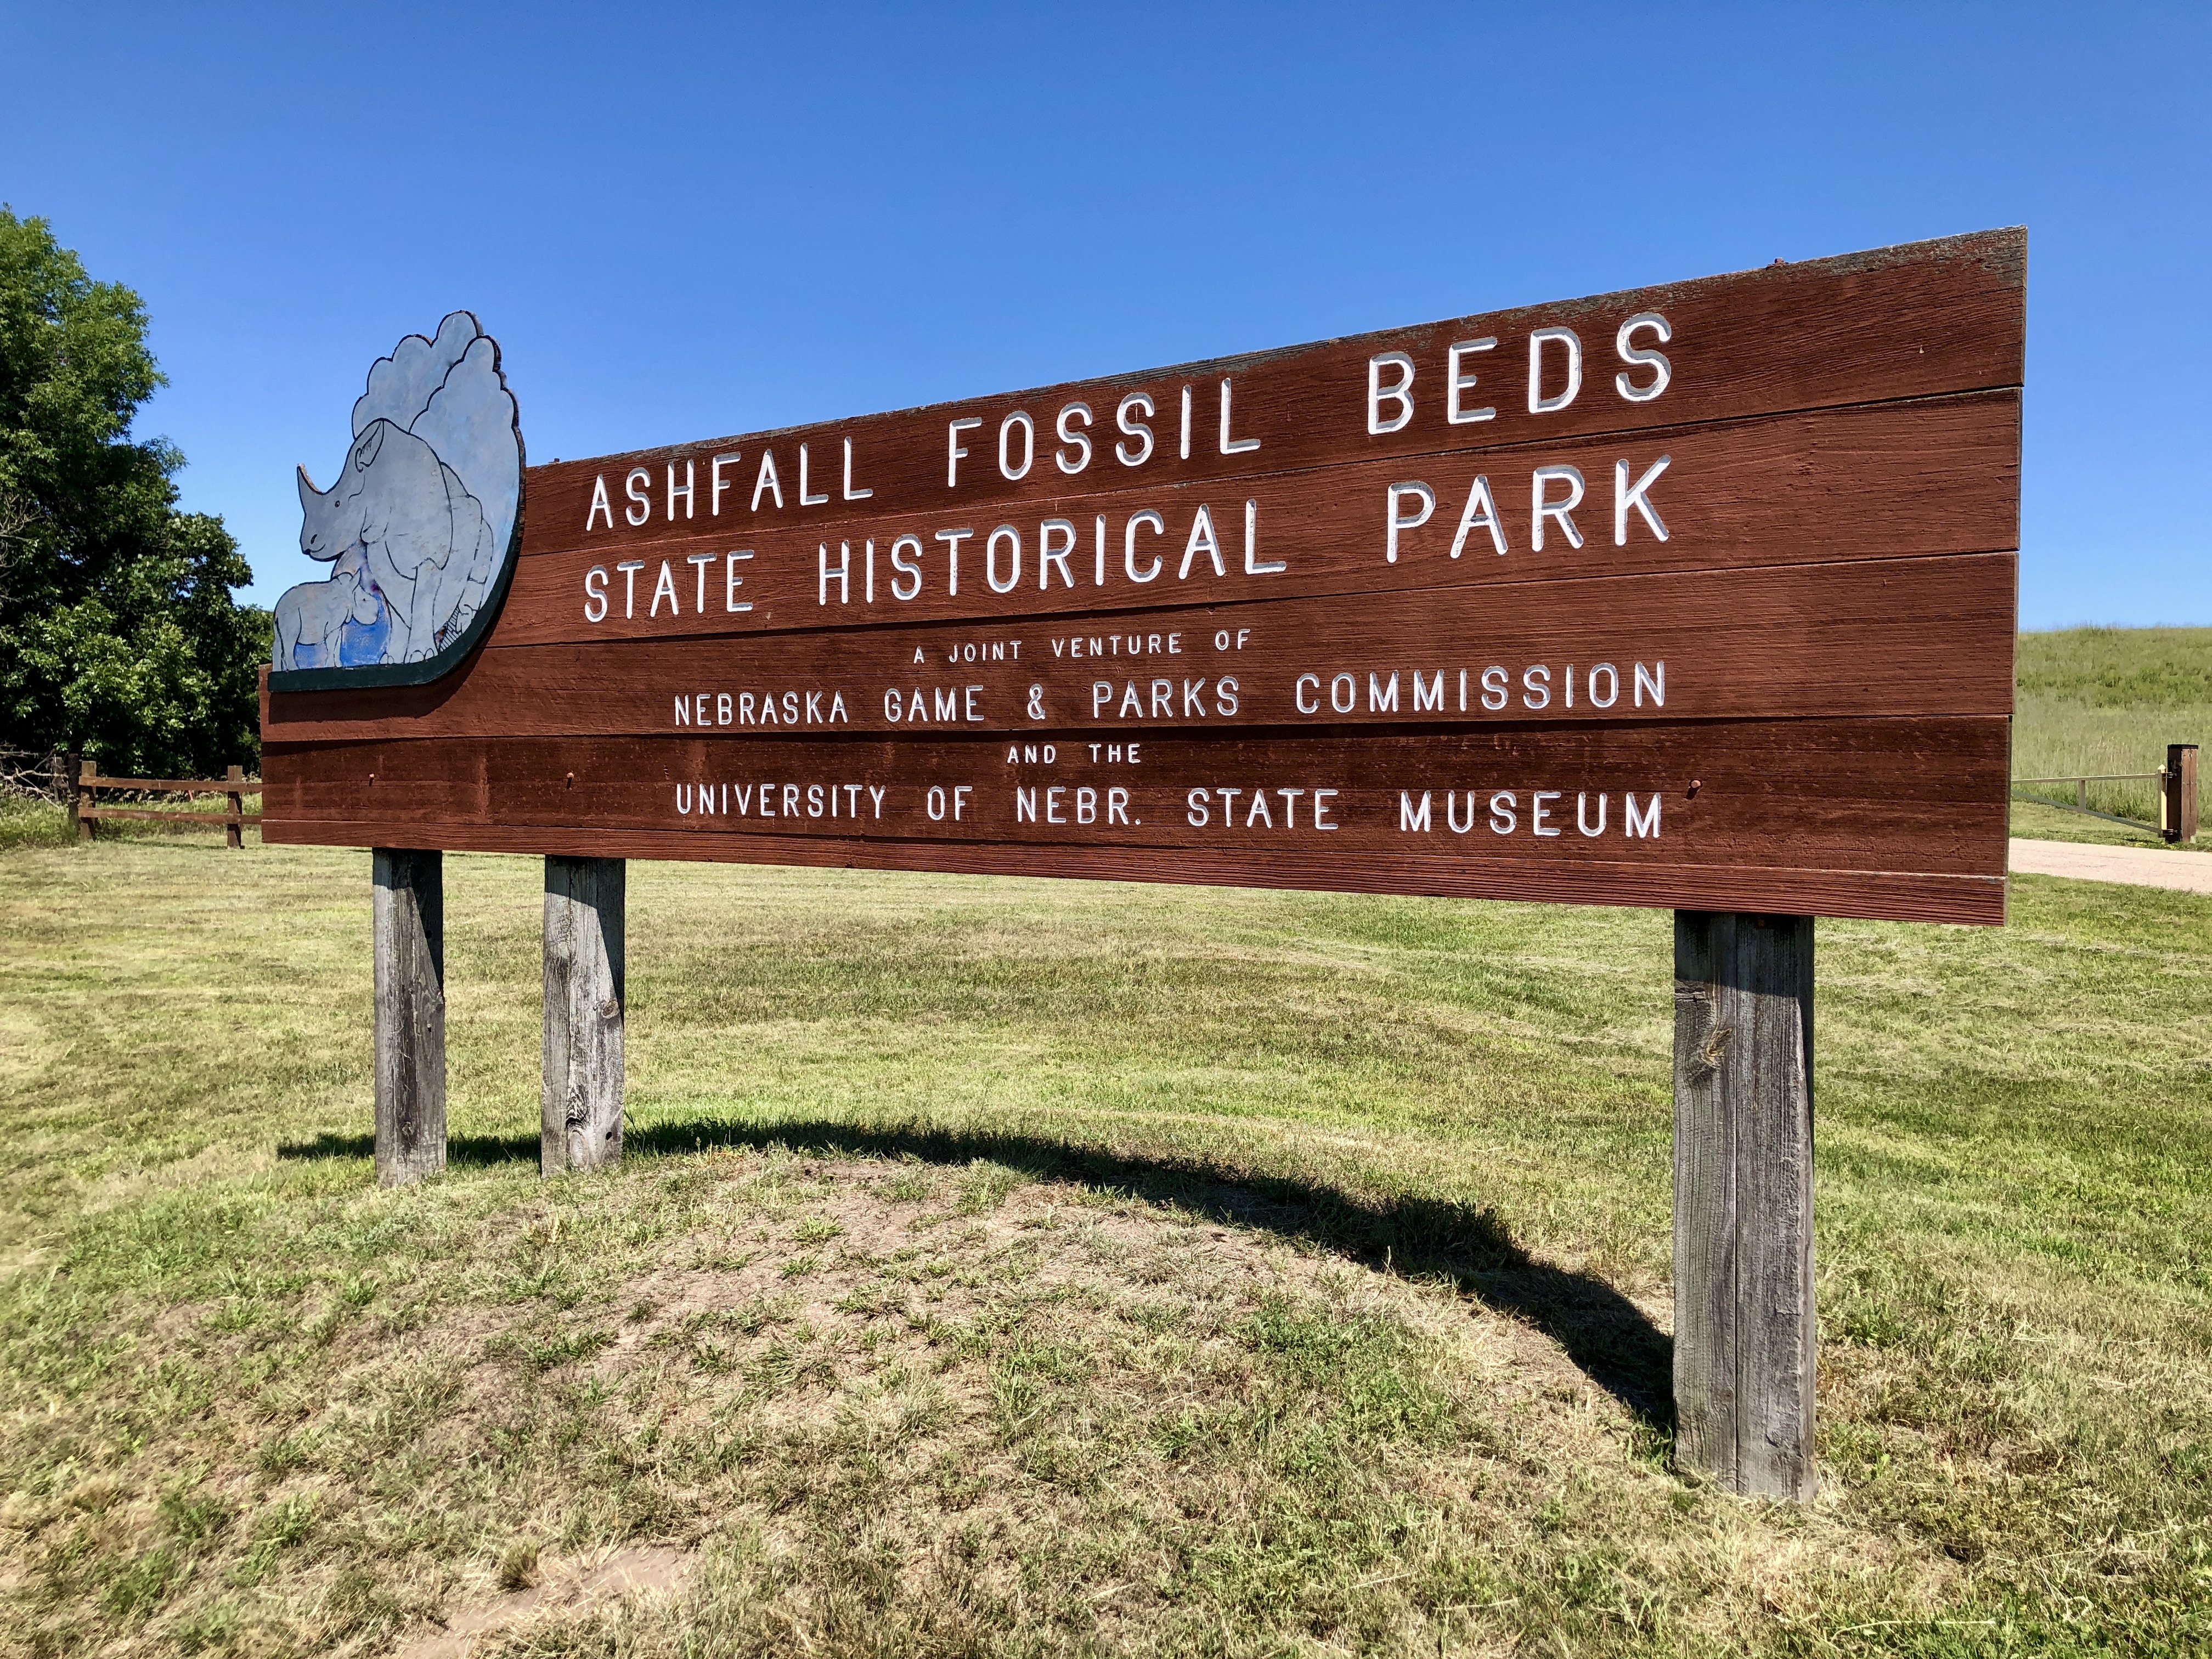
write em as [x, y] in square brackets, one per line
[119, 635]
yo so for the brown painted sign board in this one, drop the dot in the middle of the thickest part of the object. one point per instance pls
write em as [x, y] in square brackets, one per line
[1701, 596]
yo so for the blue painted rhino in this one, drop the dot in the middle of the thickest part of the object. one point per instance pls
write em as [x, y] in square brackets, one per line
[420, 533]
[421, 514]
[333, 623]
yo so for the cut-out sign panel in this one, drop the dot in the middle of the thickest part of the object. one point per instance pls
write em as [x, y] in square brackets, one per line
[419, 526]
[1700, 596]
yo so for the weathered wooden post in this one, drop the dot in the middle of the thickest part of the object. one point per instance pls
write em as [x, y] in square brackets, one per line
[409, 922]
[2177, 816]
[583, 1103]
[1743, 1200]
[87, 829]
[234, 831]
[64, 767]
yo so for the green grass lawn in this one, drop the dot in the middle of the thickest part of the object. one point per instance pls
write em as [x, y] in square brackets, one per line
[1014, 1267]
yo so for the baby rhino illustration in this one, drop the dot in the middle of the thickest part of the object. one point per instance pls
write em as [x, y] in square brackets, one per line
[419, 534]
[311, 618]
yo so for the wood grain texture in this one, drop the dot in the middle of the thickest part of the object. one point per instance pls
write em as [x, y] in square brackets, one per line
[1744, 1327]
[1848, 789]
[1918, 320]
[1877, 894]
[1870, 799]
[1890, 637]
[581, 1101]
[408, 926]
[1887, 480]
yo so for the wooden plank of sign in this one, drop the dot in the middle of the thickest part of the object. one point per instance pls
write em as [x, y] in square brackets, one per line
[1882, 482]
[1917, 320]
[1881, 895]
[1923, 796]
[1813, 781]
[1897, 636]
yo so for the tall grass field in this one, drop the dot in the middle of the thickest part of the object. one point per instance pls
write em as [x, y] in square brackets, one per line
[2110, 700]
[1011, 1268]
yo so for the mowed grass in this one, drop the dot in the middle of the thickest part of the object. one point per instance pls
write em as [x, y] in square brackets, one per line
[2107, 700]
[1016, 1267]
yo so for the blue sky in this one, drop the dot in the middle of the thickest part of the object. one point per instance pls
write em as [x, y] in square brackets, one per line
[687, 221]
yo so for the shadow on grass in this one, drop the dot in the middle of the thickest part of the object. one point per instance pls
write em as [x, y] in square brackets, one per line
[1606, 1336]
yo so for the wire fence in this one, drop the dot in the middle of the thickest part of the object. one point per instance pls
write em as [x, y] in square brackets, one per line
[2076, 796]
[27, 776]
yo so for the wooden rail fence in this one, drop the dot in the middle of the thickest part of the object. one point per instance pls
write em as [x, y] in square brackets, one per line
[2176, 784]
[85, 811]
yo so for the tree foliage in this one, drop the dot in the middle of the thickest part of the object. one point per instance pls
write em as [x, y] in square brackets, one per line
[119, 635]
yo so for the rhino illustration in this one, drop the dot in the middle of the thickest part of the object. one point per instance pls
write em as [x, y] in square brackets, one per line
[421, 514]
[313, 619]
[420, 533]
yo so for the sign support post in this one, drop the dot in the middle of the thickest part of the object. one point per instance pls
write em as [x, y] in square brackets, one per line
[1743, 1200]
[582, 1122]
[409, 924]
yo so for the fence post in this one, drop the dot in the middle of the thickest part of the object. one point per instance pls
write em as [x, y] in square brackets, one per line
[409, 924]
[87, 829]
[234, 833]
[65, 768]
[1743, 1200]
[2177, 807]
[581, 1122]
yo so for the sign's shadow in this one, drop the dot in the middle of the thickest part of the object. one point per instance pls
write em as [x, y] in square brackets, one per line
[1609, 1337]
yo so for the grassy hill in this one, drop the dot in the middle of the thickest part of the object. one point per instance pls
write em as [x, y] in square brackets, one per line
[1011, 1268]
[2109, 700]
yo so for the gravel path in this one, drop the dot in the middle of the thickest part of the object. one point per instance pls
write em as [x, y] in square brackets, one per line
[2137, 866]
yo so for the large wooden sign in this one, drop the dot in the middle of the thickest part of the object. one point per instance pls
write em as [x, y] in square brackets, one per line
[1701, 596]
